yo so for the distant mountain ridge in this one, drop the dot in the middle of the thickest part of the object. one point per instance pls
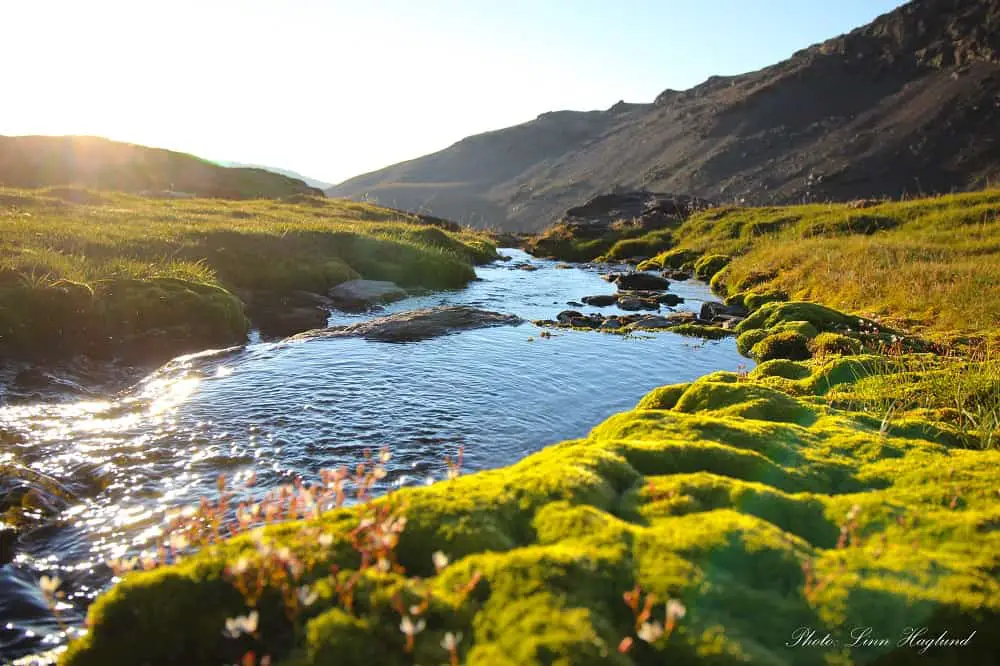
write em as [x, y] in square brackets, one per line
[95, 162]
[907, 104]
[311, 182]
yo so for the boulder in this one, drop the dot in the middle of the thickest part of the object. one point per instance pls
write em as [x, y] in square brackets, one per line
[361, 295]
[601, 300]
[676, 275]
[566, 316]
[710, 310]
[670, 300]
[611, 323]
[633, 303]
[282, 321]
[417, 324]
[638, 281]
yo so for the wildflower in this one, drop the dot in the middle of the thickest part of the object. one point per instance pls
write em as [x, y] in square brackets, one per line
[625, 645]
[675, 609]
[49, 585]
[307, 596]
[440, 561]
[379, 472]
[650, 631]
[853, 513]
[385, 456]
[178, 541]
[411, 628]
[241, 624]
[326, 540]
[241, 565]
[450, 641]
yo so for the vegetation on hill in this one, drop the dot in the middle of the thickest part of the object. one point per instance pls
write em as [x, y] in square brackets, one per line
[929, 263]
[94, 162]
[94, 272]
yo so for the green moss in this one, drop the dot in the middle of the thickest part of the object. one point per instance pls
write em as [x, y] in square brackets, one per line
[706, 267]
[678, 258]
[647, 245]
[702, 331]
[781, 368]
[664, 397]
[822, 318]
[746, 340]
[803, 328]
[753, 300]
[787, 344]
[826, 344]
[716, 493]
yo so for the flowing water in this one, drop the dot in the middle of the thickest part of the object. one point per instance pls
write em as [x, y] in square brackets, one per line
[289, 409]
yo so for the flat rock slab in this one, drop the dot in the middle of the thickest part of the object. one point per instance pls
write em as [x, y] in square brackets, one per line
[417, 324]
[355, 295]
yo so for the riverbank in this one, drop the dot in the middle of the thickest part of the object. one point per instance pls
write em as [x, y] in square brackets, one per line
[929, 264]
[706, 526]
[104, 274]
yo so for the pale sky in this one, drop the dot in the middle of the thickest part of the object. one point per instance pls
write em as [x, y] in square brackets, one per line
[335, 88]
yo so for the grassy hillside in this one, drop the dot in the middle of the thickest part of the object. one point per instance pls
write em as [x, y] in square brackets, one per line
[932, 263]
[94, 162]
[87, 271]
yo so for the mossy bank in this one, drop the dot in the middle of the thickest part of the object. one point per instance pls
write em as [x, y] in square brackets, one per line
[761, 503]
[101, 273]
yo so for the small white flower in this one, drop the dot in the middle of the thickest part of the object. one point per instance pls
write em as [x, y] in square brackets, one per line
[385, 457]
[450, 641]
[675, 609]
[241, 565]
[307, 596]
[440, 560]
[241, 624]
[178, 541]
[383, 565]
[326, 540]
[49, 585]
[650, 631]
[379, 473]
[411, 628]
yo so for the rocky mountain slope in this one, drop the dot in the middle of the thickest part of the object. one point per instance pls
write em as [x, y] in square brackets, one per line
[94, 162]
[907, 104]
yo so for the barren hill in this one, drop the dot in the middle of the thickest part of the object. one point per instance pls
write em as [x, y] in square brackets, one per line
[907, 104]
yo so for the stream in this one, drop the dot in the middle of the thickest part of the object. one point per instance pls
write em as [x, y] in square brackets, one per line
[285, 410]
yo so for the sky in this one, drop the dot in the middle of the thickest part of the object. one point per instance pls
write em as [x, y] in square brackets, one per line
[335, 88]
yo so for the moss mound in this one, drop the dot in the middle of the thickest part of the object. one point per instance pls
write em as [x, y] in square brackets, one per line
[761, 509]
[706, 267]
[826, 344]
[786, 344]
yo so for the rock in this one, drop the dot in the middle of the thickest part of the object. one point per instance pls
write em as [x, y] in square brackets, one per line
[302, 297]
[676, 275]
[527, 267]
[8, 545]
[611, 323]
[710, 310]
[670, 300]
[280, 322]
[360, 295]
[638, 281]
[566, 316]
[601, 300]
[633, 303]
[726, 321]
[563, 265]
[416, 324]
[574, 304]
[585, 322]
[652, 321]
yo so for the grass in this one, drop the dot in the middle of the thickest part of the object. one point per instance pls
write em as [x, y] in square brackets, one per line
[65, 252]
[928, 263]
[702, 527]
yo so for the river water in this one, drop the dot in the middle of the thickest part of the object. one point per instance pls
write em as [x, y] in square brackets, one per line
[290, 409]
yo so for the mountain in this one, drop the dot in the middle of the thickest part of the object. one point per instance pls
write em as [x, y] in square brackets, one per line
[311, 182]
[42, 161]
[907, 104]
